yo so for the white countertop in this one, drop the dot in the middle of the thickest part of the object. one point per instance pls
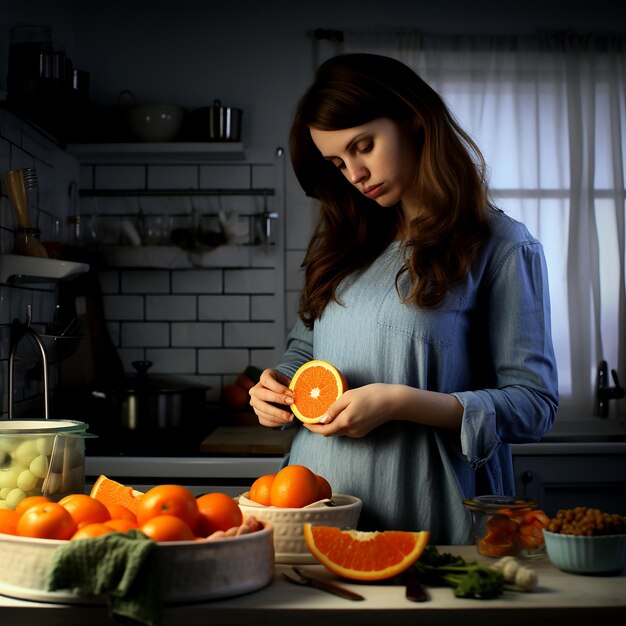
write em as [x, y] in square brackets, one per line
[182, 467]
[560, 598]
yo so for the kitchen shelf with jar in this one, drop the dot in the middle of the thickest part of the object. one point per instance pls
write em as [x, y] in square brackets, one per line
[17, 269]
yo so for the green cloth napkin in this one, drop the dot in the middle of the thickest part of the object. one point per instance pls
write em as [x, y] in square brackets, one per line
[120, 566]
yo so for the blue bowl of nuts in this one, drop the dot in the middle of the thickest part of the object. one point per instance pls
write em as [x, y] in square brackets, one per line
[587, 541]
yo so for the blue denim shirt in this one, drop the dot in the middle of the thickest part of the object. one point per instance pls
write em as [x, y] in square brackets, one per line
[489, 344]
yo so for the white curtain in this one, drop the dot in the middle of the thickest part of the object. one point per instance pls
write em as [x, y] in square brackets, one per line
[549, 114]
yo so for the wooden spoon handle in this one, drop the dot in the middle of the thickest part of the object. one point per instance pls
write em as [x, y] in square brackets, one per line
[17, 194]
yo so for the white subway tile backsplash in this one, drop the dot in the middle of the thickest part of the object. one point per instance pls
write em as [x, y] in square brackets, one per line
[196, 334]
[252, 334]
[113, 329]
[208, 322]
[86, 177]
[249, 281]
[224, 177]
[109, 281]
[145, 281]
[215, 388]
[172, 360]
[128, 355]
[197, 281]
[37, 145]
[172, 177]
[171, 308]
[263, 308]
[292, 303]
[224, 307]
[263, 255]
[265, 358]
[145, 334]
[263, 177]
[9, 130]
[224, 361]
[294, 275]
[120, 177]
[123, 307]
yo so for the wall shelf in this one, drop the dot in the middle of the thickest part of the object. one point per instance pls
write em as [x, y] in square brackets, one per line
[120, 193]
[27, 269]
[171, 257]
[156, 152]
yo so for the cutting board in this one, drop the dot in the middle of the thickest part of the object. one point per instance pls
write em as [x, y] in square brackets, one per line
[248, 441]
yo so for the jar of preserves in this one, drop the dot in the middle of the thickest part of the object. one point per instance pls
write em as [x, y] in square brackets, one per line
[507, 525]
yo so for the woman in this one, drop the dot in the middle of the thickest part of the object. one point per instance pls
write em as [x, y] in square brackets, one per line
[432, 303]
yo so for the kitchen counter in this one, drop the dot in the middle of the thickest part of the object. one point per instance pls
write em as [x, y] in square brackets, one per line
[230, 474]
[559, 599]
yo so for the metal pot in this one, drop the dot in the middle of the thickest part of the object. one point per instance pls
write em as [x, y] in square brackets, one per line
[217, 123]
[157, 402]
[145, 414]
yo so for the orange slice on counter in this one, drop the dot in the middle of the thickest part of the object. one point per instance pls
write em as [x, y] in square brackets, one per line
[315, 385]
[109, 491]
[360, 555]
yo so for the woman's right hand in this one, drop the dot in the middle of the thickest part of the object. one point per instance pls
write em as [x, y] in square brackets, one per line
[268, 396]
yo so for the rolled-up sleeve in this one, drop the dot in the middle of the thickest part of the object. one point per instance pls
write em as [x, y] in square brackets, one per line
[299, 349]
[522, 405]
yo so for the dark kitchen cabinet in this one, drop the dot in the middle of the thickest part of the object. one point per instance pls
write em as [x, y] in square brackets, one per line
[586, 476]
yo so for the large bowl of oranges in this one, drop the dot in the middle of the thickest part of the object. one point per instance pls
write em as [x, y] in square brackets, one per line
[289, 499]
[204, 546]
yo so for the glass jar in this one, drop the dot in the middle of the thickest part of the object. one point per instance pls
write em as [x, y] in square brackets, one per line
[41, 457]
[507, 525]
[27, 243]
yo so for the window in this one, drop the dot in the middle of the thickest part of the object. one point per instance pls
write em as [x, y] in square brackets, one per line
[549, 114]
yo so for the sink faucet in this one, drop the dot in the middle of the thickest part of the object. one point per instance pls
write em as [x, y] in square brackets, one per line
[18, 331]
[604, 392]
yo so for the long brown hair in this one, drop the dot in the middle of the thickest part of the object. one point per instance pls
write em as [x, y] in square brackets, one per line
[353, 89]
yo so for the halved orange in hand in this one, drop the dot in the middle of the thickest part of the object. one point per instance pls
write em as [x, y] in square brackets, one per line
[361, 555]
[315, 385]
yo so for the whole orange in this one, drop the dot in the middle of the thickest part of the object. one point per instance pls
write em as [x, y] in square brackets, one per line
[167, 528]
[85, 509]
[92, 530]
[173, 500]
[261, 488]
[218, 511]
[28, 501]
[8, 521]
[119, 511]
[48, 520]
[236, 397]
[121, 525]
[294, 486]
[325, 491]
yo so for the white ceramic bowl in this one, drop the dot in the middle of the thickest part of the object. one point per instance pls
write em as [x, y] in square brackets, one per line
[192, 571]
[579, 554]
[289, 544]
[155, 121]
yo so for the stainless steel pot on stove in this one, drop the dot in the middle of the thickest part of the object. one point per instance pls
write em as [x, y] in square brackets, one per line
[147, 403]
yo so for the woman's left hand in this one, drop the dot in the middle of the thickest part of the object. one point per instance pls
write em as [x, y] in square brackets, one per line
[358, 411]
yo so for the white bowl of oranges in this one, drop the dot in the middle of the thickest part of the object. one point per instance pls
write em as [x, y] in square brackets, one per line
[289, 499]
[205, 546]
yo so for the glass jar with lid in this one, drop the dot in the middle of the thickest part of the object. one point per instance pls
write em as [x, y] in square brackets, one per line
[507, 525]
